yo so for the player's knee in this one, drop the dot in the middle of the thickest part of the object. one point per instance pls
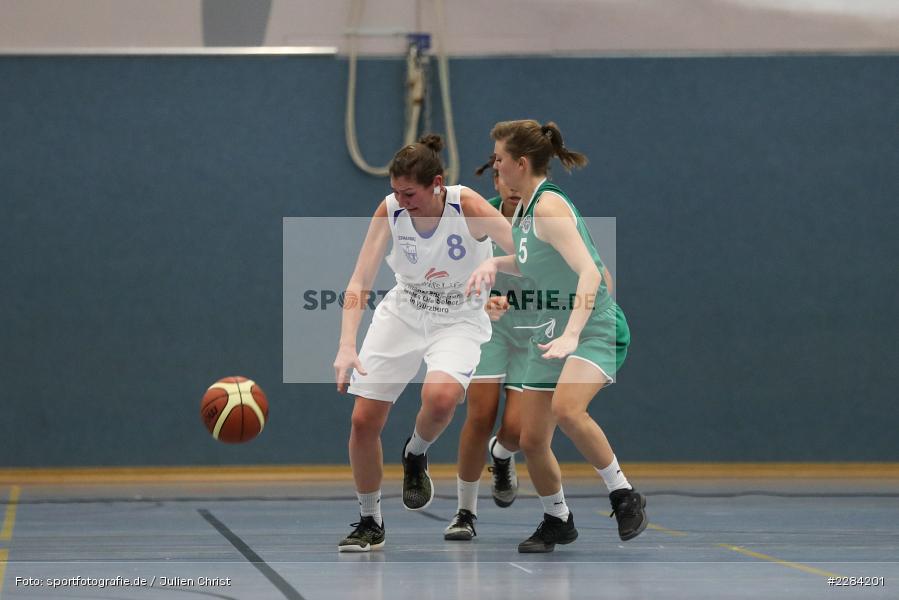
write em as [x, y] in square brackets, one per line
[532, 443]
[440, 402]
[509, 434]
[444, 395]
[480, 420]
[567, 415]
[441, 410]
[478, 426]
[366, 423]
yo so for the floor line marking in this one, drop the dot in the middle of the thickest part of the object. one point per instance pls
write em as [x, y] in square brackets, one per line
[661, 529]
[750, 553]
[263, 567]
[522, 568]
[9, 520]
[784, 563]
[429, 515]
[4, 554]
[658, 528]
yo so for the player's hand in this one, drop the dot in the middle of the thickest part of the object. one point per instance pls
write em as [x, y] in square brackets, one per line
[560, 347]
[346, 359]
[496, 307]
[482, 278]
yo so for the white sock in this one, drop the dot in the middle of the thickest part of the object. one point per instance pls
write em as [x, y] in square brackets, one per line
[417, 444]
[614, 478]
[500, 451]
[555, 505]
[468, 494]
[370, 505]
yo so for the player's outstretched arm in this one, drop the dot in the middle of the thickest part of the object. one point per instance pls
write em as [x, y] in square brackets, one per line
[357, 293]
[557, 228]
[484, 220]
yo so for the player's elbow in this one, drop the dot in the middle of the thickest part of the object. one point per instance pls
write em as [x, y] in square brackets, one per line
[590, 275]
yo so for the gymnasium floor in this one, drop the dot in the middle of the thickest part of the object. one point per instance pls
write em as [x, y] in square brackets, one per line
[708, 538]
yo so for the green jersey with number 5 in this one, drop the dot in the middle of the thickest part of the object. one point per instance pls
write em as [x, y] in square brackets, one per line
[555, 282]
[511, 286]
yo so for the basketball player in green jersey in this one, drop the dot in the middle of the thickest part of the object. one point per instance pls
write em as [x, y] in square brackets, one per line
[579, 340]
[504, 356]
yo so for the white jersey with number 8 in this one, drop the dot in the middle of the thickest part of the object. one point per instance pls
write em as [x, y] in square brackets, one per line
[426, 316]
[432, 268]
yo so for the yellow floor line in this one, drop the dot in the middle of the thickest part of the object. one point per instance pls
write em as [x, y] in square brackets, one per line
[666, 530]
[655, 527]
[784, 563]
[9, 520]
[750, 553]
[3, 556]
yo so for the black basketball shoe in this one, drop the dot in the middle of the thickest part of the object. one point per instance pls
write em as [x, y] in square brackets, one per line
[418, 489]
[505, 478]
[551, 531]
[367, 536]
[461, 527]
[628, 507]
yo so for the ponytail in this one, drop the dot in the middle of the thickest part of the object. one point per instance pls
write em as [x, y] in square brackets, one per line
[537, 142]
[487, 165]
[568, 158]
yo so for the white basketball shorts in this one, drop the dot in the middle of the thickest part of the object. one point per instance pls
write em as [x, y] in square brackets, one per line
[400, 337]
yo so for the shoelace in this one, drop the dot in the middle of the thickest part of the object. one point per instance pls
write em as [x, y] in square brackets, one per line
[416, 478]
[627, 508]
[359, 527]
[358, 531]
[502, 472]
[461, 520]
[415, 473]
[543, 532]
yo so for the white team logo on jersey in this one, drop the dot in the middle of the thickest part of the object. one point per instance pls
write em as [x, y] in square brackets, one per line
[409, 248]
[526, 224]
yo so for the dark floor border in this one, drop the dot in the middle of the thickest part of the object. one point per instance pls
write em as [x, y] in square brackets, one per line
[263, 567]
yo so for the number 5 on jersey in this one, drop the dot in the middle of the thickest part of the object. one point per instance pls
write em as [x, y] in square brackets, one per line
[523, 250]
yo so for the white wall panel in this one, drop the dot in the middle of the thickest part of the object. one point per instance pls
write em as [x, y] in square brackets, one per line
[475, 27]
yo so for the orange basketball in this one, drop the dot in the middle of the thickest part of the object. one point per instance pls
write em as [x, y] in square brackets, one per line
[234, 409]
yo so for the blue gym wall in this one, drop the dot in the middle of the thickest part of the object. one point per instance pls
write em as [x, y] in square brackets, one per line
[756, 204]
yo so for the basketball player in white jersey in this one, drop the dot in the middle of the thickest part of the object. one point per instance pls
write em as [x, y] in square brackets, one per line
[440, 235]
